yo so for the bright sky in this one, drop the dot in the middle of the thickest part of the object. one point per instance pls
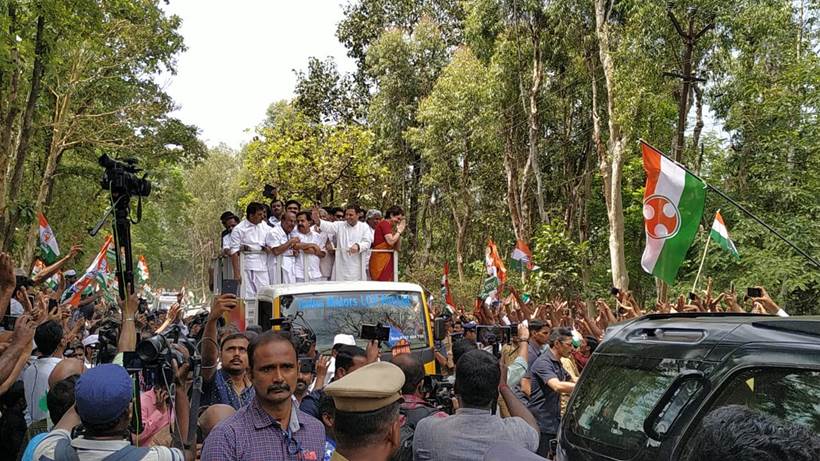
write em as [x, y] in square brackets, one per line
[240, 58]
[241, 55]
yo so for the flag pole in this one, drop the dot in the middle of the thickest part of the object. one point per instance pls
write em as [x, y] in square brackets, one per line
[740, 207]
[702, 260]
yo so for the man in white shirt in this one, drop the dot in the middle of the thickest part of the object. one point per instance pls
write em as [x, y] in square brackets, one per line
[311, 246]
[277, 208]
[48, 337]
[353, 238]
[250, 235]
[229, 221]
[281, 240]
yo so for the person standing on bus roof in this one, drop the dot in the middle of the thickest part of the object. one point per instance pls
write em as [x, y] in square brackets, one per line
[249, 235]
[312, 246]
[352, 237]
[381, 264]
[281, 241]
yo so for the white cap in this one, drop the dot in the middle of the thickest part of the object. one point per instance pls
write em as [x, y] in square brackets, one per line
[70, 273]
[347, 340]
[91, 340]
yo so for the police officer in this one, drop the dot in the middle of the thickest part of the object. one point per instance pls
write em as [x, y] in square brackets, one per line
[367, 403]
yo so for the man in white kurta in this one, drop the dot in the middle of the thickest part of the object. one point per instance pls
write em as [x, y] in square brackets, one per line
[352, 239]
[281, 241]
[311, 249]
[249, 235]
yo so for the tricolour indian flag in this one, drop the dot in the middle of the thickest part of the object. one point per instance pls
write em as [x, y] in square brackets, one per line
[445, 290]
[720, 235]
[521, 257]
[493, 262]
[96, 271]
[142, 271]
[48, 242]
[672, 208]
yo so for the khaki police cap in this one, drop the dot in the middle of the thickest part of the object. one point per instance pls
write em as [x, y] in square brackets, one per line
[369, 388]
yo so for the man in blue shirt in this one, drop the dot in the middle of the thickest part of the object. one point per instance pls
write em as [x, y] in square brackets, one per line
[549, 381]
[230, 384]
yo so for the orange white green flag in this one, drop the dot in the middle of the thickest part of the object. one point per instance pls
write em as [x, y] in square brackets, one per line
[521, 257]
[48, 242]
[672, 208]
[720, 234]
[142, 271]
[95, 272]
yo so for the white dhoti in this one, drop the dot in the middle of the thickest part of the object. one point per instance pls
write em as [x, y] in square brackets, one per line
[252, 282]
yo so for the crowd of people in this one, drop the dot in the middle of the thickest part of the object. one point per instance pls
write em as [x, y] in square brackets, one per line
[119, 381]
[283, 243]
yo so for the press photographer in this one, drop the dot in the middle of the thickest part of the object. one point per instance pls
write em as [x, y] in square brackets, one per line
[474, 428]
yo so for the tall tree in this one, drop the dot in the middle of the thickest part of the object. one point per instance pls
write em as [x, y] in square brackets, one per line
[457, 142]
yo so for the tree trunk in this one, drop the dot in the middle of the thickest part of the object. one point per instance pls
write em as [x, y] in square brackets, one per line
[55, 152]
[6, 138]
[612, 166]
[511, 169]
[698, 120]
[28, 118]
[683, 101]
[533, 132]
[413, 212]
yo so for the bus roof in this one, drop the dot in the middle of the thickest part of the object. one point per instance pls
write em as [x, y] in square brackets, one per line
[269, 293]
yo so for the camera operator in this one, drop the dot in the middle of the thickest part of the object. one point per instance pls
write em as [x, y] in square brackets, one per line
[415, 408]
[474, 429]
[103, 408]
[230, 384]
[157, 409]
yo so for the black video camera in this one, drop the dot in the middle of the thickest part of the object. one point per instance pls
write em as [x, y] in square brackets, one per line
[157, 352]
[302, 336]
[121, 179]
[108, 335]
[438, 392]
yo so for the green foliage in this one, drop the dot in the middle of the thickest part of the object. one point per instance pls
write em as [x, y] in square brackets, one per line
[313, 162]
[560, 260]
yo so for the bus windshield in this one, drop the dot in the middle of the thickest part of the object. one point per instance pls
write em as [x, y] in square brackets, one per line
[329, 314]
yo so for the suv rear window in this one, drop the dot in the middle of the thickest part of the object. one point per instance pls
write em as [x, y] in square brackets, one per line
[788, 394]
[611, 405]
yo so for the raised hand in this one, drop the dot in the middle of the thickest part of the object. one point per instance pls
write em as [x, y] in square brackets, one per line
[766, 302]
[75, 250]
[222, 304]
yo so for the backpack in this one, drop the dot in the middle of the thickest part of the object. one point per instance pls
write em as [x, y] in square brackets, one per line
[408, 430]
[65, 452]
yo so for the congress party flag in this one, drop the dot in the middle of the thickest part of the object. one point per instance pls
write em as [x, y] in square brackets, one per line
[95, 272]
[672, 208]
[48, 242]
[720, 235]
[522, 257]
[445, 290]
[495, 266]
[142, 271]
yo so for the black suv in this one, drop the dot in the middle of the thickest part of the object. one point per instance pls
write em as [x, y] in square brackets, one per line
[652, 379]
